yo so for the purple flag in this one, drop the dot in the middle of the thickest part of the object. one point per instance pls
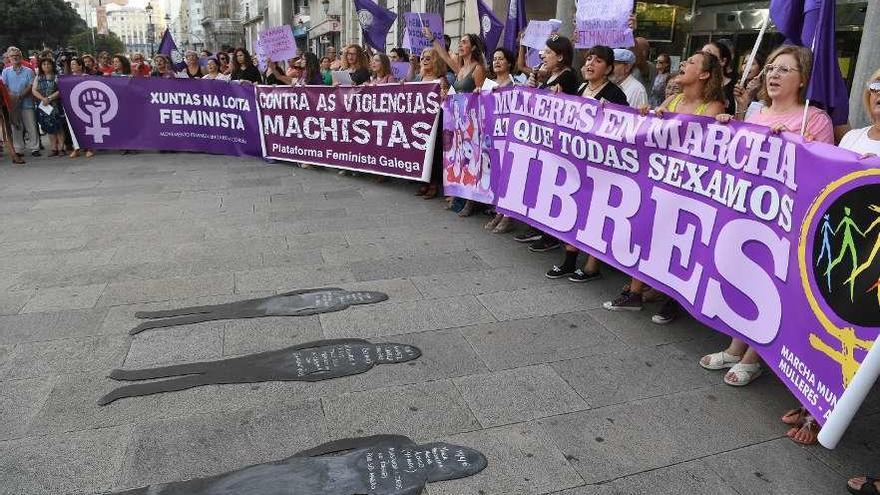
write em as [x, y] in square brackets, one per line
[168, 48]
[490, 27]
[826, 86]
[375, 22]
[516, 22]
[811, 23]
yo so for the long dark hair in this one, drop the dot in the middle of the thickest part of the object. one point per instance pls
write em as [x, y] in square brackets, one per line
[726, 59]
[714, 89]
[51, 63]
[562, 46]
[248, 61]
[313, 69]
[511, 61]
[123, 60]
[478, 48]
[401, 54]
[385, 64]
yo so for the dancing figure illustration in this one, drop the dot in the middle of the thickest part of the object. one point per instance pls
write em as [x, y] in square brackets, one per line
[864, 266]
[827, 233]
[848, 245]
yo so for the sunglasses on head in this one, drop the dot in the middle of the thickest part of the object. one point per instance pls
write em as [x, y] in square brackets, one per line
[874, 87]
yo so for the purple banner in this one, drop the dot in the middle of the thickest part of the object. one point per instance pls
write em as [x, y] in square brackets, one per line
[386, 130]
[467, 149]
[758, 235]
[127, 113]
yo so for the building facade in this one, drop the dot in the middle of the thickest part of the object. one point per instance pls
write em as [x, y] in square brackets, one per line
[190, 32]
[222, 24]
[139, 31]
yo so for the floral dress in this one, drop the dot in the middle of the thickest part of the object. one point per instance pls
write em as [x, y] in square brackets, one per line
[50, 123]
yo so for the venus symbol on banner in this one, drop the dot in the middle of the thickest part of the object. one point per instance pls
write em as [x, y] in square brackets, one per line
[95, 104]
[366, 18]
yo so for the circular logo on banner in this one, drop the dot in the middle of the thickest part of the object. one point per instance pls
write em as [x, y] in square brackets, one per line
[839, 265]
[365, 17]
[486, 24]
[176, 56]
[846, 254]
[94, 103]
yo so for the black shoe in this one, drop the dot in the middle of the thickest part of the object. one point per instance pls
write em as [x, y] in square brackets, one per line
[559, 272]
[581, 276]
[530, 235]
[35, 153]
[545, 244]
[668, 312]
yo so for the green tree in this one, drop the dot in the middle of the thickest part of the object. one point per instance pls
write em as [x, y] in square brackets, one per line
[89, 41]
[34, 24]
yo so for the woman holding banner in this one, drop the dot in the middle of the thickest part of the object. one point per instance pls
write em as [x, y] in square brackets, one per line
[121, 66]
[192, 70]
[500, 76]
[213, 71]
[380, 69]
[555, 74]
[243, 68]
[722, 52]
[597, 69]
[357, 64]
[786, 78]
[163, 67]
[433, 69]
[701, 94]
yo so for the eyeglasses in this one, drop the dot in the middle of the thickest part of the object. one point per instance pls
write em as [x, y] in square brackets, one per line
[783, 70]
[874, 87]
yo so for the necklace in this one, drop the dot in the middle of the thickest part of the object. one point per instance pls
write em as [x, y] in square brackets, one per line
[591, 92]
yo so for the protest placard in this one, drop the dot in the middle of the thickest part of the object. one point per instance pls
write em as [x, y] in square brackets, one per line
[414, 38]
[537, 32]
[277, 43]
[603, 22]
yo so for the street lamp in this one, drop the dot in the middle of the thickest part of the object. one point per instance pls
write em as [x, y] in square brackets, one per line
[151, 29]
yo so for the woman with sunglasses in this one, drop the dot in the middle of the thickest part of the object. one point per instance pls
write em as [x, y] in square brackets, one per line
[163, 67]
[866, 141]
[433, 69]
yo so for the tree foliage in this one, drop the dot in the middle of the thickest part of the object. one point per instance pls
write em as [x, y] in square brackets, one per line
[84, 43]
[34, 24]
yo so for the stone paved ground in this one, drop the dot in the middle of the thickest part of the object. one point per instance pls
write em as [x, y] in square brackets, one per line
[562, 396]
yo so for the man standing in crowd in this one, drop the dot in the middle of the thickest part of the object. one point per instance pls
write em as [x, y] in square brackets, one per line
[622, 76]
[19, 81]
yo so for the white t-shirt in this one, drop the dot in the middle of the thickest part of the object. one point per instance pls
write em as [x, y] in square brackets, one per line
[635, 92]
[858, 140]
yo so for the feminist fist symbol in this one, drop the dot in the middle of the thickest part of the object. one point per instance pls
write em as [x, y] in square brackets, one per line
[95, 103]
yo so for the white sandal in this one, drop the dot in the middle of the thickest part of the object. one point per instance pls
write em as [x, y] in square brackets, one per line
[744, 373]
[720, 360]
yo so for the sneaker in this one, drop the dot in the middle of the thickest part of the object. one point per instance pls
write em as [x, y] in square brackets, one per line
[530, 235]
[544, 244]
[668, 312]
[559, 272]
[35, 153]
[626, 301]
[581, 276]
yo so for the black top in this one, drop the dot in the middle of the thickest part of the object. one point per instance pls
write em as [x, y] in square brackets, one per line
[729, 98]
[250, 73]
[610, 93]
[360, 76]
[197, 75]
[566, 80]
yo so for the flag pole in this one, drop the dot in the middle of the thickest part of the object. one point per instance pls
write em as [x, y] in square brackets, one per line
[751, 60]
[807, 104]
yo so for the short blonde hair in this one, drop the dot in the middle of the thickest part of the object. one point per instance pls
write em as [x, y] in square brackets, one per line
[866, 99]
[804, 58]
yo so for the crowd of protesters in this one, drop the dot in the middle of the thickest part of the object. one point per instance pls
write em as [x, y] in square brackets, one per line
[706, 83]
